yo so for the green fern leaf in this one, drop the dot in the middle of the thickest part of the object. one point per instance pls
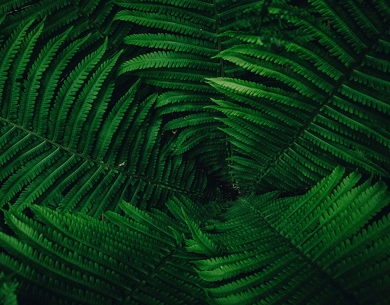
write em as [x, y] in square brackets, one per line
[335, 101]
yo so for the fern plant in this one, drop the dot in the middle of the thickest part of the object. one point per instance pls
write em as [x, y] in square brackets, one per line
[318, 248]
[7, 290]
[107, 181]
[92, 17]
[187, 35]
[131, 262]
[66, 136]
[334, 108]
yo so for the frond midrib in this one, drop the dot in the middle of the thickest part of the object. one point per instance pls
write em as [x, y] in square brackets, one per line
[337, 86]
[155, 269]
[316, 267]
[108, 166]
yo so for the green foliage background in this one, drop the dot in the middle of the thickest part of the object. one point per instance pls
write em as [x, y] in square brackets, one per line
[194, 152]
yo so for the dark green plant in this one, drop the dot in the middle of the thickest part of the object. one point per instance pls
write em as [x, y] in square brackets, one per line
[332, 107]
[187, 34]
[116, 152]
[7, 290]
[318, 248]
[63, 132]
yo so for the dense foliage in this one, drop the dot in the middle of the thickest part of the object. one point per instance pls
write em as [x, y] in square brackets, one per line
[194, 152]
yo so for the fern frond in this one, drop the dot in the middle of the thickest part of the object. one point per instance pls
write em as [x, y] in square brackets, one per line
[325, 246]
[273, 257]
[68, 140]
[85, 17]
[63, 251]
[167, 60]
[336, 94]
[7, 290]
[125, 186]
[173, 42]
[166, 22]
[194, 39]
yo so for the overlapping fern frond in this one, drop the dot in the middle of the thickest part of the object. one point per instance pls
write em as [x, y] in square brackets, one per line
[93, 17]
[73, 139]
[63, 132]
[319, 248]
[186, 34]
[325, 247]
[81, 260]
[331, 106]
